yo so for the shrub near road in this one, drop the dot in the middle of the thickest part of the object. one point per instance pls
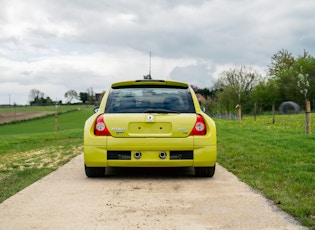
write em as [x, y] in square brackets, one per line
[276, 159]
[32, 149]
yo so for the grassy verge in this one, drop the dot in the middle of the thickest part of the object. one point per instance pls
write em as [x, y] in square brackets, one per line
[276, 159]
[31, 150]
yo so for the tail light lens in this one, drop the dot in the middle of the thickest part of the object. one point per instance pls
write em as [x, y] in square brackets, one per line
[100, 129]
[200, 127]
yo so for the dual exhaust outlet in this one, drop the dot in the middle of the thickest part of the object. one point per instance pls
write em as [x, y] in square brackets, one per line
[138, 155]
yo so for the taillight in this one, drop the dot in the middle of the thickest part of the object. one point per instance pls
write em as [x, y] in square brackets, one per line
[100, 128]
[200, 127]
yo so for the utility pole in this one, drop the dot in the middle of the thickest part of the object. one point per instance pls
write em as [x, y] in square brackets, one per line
[56, 117]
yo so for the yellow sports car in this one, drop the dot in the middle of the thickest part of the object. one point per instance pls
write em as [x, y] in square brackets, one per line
[150, 123]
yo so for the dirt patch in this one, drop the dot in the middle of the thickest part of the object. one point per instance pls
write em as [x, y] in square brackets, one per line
[50, 157]
[6, 117]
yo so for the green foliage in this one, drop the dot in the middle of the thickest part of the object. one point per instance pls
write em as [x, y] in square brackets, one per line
[276, 159]
[227, 100]
[265, 94]
[281, 61]
[84, 97]
[307, 69]
[290, 79]
[287, 71]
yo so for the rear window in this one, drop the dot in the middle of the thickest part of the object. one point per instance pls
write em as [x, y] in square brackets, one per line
[149, 99]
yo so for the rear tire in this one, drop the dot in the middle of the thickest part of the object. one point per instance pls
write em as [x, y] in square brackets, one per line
[204, 171]
[94, 171]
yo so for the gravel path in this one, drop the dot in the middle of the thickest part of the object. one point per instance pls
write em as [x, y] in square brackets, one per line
[140, 199]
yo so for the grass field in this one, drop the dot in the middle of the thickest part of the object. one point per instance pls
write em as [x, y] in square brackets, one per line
[32, 149]
[26, 113]
[276, 159]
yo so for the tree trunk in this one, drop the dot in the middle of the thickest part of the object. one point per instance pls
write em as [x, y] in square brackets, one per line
[239, 114]
[308, 117]
[255, 111]
[273, 113]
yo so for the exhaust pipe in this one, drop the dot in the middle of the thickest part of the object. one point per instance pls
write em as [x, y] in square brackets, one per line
[137, 155]
[162, 155]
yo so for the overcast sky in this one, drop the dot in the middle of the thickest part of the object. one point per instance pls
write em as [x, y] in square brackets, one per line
[60, 45]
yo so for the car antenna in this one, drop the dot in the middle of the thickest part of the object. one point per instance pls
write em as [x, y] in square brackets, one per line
[148, 77]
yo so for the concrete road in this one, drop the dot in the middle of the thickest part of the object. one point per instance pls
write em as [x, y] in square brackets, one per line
[140, 199]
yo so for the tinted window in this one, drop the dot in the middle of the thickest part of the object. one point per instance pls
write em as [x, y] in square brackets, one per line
[149, 99]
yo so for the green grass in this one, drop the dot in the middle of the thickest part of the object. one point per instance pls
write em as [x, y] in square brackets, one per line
[32, 149]
[47, 123]
[276, 159]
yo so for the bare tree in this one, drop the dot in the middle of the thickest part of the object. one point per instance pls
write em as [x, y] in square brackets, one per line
[91, 95]
[35, 96]
[70, 95]
[239, 81]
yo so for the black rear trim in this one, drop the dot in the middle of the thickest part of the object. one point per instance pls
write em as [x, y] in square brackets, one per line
[150, 80]
[149, 86]
[182, 155]
[118, 155]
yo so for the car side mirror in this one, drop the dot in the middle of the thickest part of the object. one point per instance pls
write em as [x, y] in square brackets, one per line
[96, 109]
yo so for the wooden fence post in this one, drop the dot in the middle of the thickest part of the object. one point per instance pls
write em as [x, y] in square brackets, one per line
[239, 113]
[308, 117]
[56, 117]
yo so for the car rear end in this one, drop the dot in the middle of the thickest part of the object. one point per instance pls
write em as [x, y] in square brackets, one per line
[150, 123]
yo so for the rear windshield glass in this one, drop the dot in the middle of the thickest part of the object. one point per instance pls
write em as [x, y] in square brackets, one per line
[149, 99]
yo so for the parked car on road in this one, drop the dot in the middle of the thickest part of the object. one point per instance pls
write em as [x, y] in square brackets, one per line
[150, 123]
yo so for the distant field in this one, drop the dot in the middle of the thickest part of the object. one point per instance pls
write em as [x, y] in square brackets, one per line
[75, 118]
[18, 113]
[7, 116]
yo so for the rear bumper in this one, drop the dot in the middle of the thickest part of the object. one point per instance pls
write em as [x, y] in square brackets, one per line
[202, 155]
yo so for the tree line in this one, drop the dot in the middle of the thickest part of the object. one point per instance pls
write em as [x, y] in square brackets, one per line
[38, 98]
[288, 78]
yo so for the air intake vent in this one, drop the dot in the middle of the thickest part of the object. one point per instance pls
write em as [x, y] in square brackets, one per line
[118, 155]
[181, 155]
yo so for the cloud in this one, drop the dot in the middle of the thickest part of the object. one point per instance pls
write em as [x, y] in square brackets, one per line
[199, 74]
[78, 72]
[82, 44]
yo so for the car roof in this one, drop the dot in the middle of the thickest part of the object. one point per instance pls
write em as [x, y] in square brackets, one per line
[151, 82]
